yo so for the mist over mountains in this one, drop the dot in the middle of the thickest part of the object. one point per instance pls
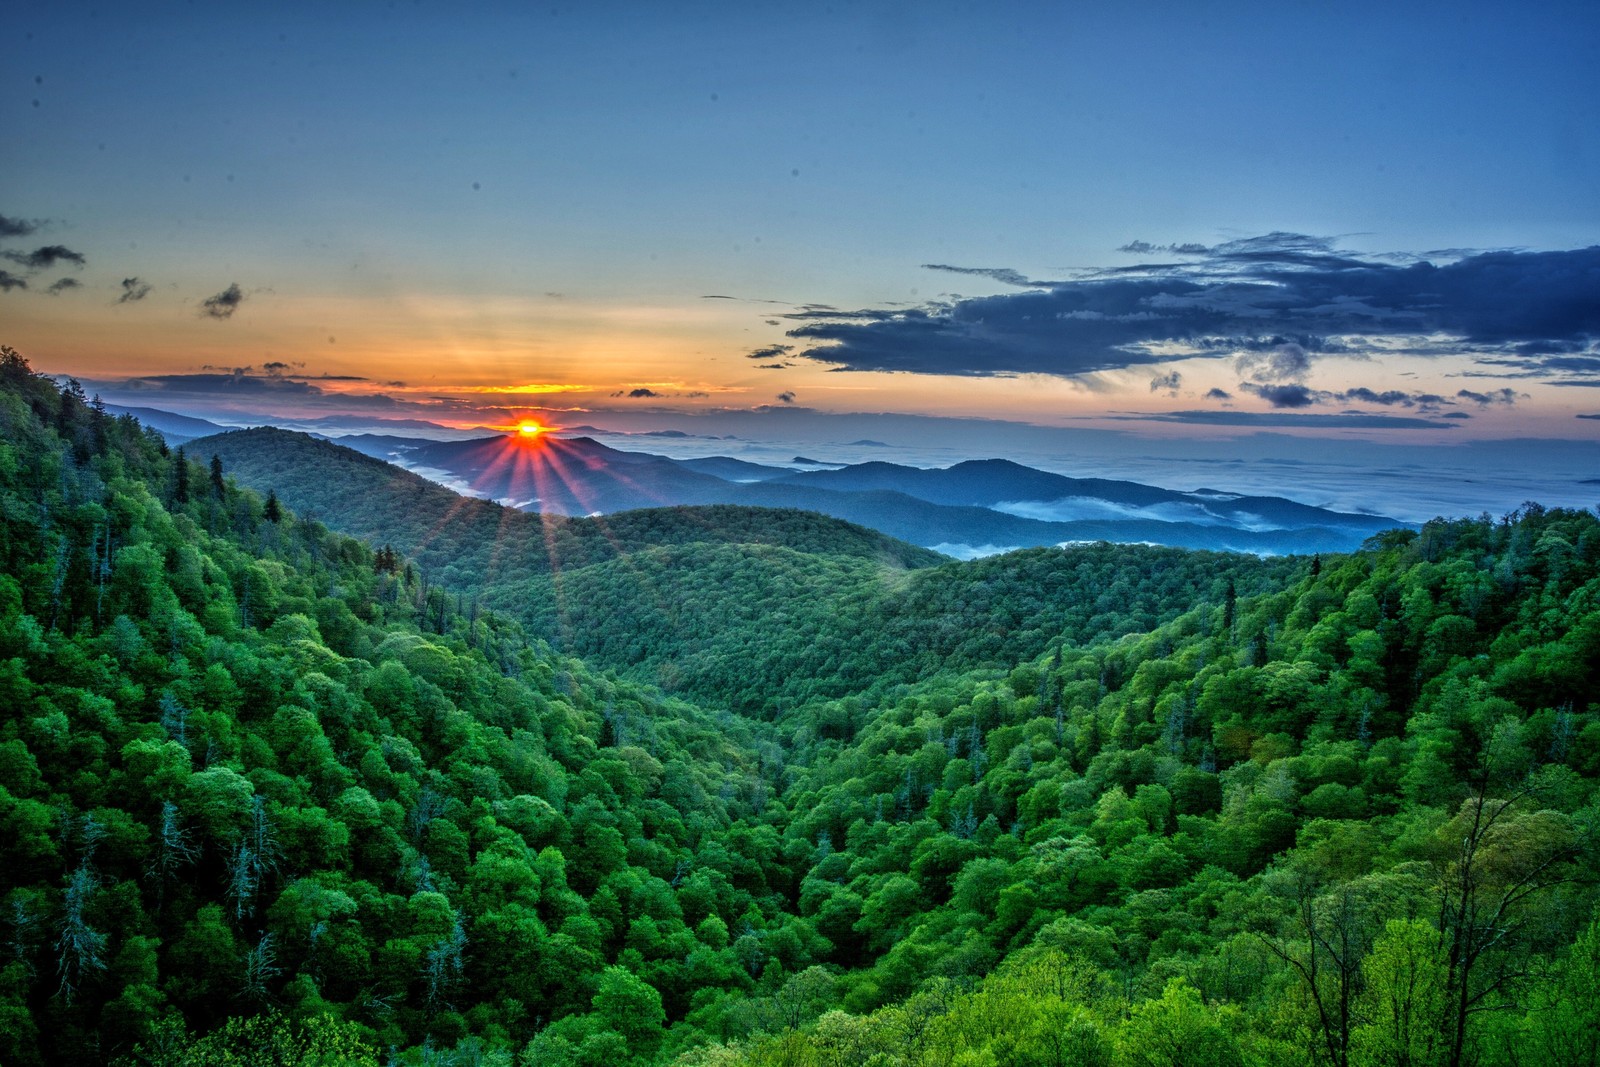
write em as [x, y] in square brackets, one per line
[974, 508]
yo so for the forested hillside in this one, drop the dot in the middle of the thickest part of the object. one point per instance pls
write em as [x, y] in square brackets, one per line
[468, 542]
[761, 628]
[750, 608]
[266, 786]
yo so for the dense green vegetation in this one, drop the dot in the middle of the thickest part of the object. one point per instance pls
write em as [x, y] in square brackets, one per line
[765, 628]
[753, 609]
[264, 787]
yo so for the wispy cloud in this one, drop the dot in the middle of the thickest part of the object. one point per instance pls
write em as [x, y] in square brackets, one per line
[532, 388]
[1343, 420]
[46, 257]
[1004, 275]
[1391, 398]
[1498, 396]
[1167, 383]
[133, 290]
[61, 285]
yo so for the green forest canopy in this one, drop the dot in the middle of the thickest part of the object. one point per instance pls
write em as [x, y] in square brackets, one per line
[264, 787]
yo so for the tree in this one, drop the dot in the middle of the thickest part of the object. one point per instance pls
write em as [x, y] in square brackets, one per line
[273, 512]
[80, 946]
[1406, 1000]
[1324, 944]
[180, 485]
[629, 1007]
[1562, 1026]
[1175, 1030]
[219, 488]
[1493, 862]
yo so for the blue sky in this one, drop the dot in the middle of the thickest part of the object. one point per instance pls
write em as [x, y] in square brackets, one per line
[602, 212]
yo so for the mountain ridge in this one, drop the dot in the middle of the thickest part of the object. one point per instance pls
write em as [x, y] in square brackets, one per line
[995, 503]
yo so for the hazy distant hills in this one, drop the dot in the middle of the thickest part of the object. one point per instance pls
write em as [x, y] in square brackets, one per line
[468, 541]
[174, 429]
[977, 506]
[973, 508]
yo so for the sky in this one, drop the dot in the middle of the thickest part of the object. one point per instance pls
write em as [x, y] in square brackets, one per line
[1156, 229]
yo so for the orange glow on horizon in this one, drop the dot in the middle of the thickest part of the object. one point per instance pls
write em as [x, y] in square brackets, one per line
[530, 430]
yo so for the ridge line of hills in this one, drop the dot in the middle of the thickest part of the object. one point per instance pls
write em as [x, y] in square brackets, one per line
[967, 509]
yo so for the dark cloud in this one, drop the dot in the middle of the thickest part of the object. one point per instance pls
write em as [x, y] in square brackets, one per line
[46, 257]
[9, 281]
[1455, 415]
[1218, 394]
[133, 290]
[773, 366]
[1237, 343]
[61, 285]
[825, 313]
[742, 299]
[1544, 361]
[1004, 275]
[769, 352]
[640, 393]
[1285, 396]
[1145, 248]
[1391, 398]
[1274, 418]
[1287, 362]
[1587, 416]
[1168, 382]
[785, 398]
[10, 227]
[246, 392]
[1498, 396]
[224, 304]
[234, 383]
[1228, 299]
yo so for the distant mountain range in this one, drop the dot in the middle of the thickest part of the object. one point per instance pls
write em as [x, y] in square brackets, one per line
[175, 429]
[972, 508]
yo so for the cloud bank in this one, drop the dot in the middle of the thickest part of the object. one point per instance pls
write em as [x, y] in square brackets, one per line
[1274, 302]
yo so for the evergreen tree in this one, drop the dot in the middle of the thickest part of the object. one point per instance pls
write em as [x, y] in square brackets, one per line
[180, 486]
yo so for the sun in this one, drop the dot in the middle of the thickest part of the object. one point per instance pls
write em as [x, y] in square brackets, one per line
[530, 430]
